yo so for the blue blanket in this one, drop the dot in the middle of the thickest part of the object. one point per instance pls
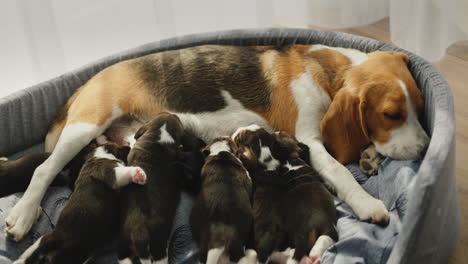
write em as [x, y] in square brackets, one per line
[359, 242]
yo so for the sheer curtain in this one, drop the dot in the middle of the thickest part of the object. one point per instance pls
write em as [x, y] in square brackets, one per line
[42, 39]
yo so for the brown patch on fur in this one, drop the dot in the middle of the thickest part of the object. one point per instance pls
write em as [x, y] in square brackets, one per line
[116, 86]
[328, 67]
[280, 68]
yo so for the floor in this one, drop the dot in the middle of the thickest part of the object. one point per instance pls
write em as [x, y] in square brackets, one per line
[454, 66]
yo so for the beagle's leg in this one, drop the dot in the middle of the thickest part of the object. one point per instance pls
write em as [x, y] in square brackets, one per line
[366, 207]
[80, 129]
[313, 103]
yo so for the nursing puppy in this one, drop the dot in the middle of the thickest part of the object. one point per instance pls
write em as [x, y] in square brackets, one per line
[89, 218]
[291, 205]
[222, 214]
[148, 211]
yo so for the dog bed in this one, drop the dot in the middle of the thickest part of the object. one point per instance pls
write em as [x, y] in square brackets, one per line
[420, 195]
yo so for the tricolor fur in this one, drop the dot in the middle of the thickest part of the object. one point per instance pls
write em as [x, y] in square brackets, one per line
[170, 159]
[222, 216]
[335, 100]
[291, 205]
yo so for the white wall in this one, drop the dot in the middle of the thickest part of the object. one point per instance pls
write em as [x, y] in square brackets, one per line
[42, 39]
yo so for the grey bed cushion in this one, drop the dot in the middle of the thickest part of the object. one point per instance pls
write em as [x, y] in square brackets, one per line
[428, 233]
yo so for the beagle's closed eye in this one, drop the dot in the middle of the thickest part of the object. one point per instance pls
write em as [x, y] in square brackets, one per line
[393, 116]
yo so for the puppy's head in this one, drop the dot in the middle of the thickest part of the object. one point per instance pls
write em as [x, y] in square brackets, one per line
[256, 147]
[225, 152]
[219, 145]
[379, 102]
[165, 129]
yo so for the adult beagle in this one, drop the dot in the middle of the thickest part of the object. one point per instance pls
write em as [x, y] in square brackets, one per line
[335, 100]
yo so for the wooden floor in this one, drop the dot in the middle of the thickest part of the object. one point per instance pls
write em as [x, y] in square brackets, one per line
[454, 66]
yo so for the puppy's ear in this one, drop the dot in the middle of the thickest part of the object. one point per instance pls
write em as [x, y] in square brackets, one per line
[304, 153]
[343, 127]
[140, 132]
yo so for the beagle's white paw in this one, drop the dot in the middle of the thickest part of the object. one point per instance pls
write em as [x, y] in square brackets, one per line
[368, 209]
[20, 220]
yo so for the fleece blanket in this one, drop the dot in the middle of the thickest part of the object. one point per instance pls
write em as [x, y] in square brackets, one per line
[359, 242]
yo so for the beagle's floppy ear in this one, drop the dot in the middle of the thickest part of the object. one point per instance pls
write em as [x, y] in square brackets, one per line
[343, 128]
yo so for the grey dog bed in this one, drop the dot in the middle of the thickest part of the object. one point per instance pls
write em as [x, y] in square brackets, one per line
[425, 234]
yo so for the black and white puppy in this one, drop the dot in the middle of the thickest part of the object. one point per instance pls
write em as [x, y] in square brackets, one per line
[88, 219]
[221, 219]
[291, 205]
[148, 211]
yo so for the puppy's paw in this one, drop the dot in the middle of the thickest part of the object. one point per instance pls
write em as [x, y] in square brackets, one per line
[137, 175]
[320, 246]
[310, 260]
[249, 258]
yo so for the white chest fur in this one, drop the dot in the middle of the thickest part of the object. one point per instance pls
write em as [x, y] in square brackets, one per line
[312, 103]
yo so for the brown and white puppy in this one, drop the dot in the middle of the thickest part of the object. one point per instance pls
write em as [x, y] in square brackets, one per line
[291, 205]
[221, 218]
[335, 100]
[88, 219]
[148, 211]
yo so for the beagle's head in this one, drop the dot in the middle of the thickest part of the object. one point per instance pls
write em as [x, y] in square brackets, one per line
[378, 103]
